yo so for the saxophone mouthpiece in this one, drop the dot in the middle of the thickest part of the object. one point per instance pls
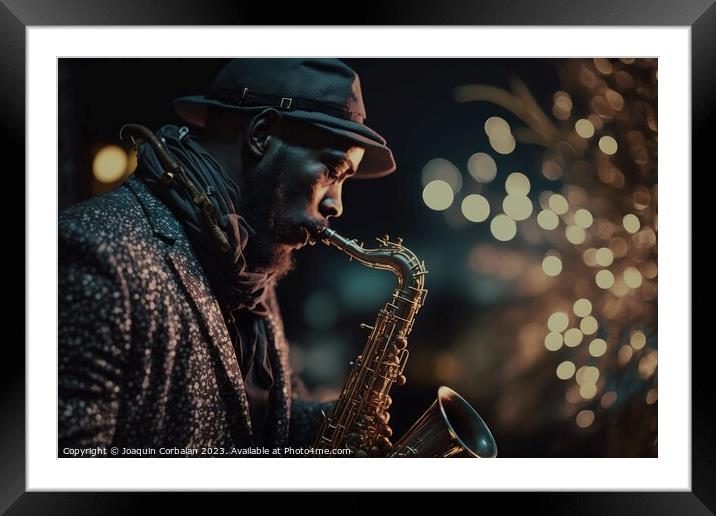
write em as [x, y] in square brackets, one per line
[314, 232]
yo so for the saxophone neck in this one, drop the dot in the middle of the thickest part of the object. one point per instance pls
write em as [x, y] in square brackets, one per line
[390, 255]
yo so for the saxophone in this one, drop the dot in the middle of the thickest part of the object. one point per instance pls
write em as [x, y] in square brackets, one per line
[359, 420]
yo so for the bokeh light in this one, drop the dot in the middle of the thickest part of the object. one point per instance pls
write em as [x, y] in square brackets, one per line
[565, 370]
[443, 170]
[517, 207]
[558, 322]
[573, 337]
[552, 266]
[597, 347]
[558, 204]
[588, 391]
[475, 208]
[553, 341]
[503, 228]
[584, 418]
[604, 257]
[631, 223]
[608, 399]
[608, 145]
[582, 307]
[583, 218]
[604, 279]
[632, 277]
[575, 235]
[589, 325]
[584, 128]
[109, 164]
[637, 339]
[438, 195]
[547, 219]
[482, 167]
[517, 184]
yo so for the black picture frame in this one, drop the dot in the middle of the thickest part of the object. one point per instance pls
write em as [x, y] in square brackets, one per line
[17, 15]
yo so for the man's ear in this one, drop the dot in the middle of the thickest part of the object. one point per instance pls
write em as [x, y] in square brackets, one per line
[261, 129]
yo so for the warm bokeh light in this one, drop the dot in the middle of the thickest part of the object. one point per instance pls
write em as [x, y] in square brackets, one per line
[604, 66]
[652, 396]
[631, 223]
[503, 228]
[625, 354]
[517, 207]
[586, 375]
[562, 108]
[608, 145]
[647, 365]
[619, 247]
[590, 257]
[497, 127]
[608, 399]
[443, 170]
[588, 391]
[558, 322]
[551, 170]
[589, 325]
[558, 204]
[547, 219]
[482, 167]
[503, 145]
[553, 341]
[615, 100]
[475, 208]
[575, 235]
[637, 340]
[109, 164]
[604, 279]
[582, 307]
[632, 277]
[438, 195]
[584, 128]
[597, 347]
[573, 337]
[604, 257]
[585, 418]
[517, 184]
[583, 218]
[565, 370]
[552, 266]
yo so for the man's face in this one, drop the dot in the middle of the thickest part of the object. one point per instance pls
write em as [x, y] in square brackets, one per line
[296, 186]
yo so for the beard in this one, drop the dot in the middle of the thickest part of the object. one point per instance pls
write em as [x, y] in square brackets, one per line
[266, 251]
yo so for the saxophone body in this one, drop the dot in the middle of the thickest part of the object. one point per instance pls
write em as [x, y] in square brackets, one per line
[360, 417]
[359, 420]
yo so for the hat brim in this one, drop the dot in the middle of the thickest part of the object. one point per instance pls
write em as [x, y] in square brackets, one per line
[377, 162]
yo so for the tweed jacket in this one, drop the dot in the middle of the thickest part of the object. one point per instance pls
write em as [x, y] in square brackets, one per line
[145, 358]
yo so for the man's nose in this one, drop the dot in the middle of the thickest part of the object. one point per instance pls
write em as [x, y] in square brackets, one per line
[332, 205]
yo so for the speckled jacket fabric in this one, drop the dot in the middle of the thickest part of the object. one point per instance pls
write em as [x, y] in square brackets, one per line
[145, 358]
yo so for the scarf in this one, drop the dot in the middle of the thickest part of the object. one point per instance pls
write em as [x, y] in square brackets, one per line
[235, 286]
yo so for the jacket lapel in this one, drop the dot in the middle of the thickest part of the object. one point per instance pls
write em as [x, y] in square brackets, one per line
[190, 274]
[278, 351]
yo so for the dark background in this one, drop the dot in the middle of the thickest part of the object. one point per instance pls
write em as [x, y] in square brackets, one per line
[477, 332]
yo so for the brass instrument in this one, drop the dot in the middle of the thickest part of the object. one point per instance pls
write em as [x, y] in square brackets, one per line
[359, 420]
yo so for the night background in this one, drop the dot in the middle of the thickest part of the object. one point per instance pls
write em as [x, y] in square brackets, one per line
[529, 189]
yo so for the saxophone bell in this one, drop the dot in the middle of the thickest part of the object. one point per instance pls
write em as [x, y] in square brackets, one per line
[450, 427]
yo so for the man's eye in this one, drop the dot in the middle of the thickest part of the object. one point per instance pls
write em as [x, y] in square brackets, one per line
[331, 174]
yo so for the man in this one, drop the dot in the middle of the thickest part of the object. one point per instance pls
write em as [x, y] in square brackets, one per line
[170, 335]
